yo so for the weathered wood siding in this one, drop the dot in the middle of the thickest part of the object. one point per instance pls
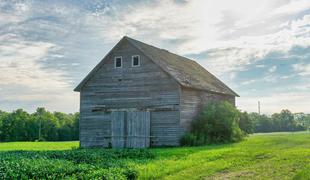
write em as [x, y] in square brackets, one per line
[166, 129]
[192, 102]
[95, 128]
[129, 88]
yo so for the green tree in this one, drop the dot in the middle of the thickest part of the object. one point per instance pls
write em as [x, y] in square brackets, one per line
[278, 124]
[32, 129]
[66, 131]
[246, 123]
[47, 125]
[302, 121]
[262, 123]
[76, 126]
[288, 120]
[3, 116]
[14, 126]
[283, 121]
[44, 125]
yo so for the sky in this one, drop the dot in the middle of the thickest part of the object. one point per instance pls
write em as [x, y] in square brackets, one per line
[259, 48]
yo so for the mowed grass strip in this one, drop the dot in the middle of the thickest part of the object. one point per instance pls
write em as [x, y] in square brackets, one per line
[268, 156]
[38, 146]
[273, 156]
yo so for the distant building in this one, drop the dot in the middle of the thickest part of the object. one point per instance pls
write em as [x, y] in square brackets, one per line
[141, 96]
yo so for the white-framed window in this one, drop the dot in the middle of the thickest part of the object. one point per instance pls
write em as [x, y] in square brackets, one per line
[118, 62]
[135, 60]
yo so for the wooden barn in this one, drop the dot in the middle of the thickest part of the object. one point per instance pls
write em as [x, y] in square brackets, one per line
[141, 96]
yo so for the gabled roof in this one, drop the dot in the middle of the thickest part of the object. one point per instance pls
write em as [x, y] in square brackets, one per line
[186, 72]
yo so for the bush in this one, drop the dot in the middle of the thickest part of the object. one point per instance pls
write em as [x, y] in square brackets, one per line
[188, 139]
[217, 123]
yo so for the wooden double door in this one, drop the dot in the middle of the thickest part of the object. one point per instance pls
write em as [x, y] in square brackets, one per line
[130, 129]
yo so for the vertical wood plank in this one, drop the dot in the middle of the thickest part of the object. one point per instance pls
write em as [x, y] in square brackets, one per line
[118, 127]
[147, 128]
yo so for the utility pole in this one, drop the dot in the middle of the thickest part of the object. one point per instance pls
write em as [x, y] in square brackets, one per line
[258, 105]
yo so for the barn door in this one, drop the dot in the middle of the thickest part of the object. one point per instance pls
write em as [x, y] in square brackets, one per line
[118, 129]
[138, 129]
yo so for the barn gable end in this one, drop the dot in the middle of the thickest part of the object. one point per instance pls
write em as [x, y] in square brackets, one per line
[129, 89]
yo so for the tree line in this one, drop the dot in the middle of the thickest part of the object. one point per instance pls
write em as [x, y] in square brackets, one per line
[41, 125]
[279, 122]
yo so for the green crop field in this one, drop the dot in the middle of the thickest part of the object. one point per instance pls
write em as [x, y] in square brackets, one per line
[261, 156]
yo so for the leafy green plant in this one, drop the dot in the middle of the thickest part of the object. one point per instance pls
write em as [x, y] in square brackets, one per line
[217, 123]
[76, 164]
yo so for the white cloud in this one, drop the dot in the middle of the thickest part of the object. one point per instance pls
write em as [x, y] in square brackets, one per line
[249, 82]
[202, 26]
[293, 7]
[260, 66]
[248, 49]
[197, 20]
[18, 12]
[20, 67]
[197, 26]
[287, 76]
[302, 69]
[272, 69]
[19, 63]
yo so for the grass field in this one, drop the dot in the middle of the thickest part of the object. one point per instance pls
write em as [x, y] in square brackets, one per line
[38, 146]
[262, 156]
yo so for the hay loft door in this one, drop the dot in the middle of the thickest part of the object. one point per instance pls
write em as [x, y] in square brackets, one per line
[130, 129]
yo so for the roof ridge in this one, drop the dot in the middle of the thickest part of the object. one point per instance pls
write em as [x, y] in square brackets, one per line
[161, 49]
[216, 78]
[184, 59]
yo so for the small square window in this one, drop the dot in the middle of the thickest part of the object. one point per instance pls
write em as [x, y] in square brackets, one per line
[135, 60]
[118, 62]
